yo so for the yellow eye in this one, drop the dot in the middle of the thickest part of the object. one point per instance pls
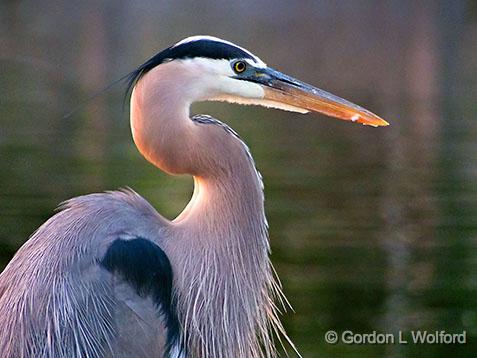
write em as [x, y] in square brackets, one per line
[239, 66]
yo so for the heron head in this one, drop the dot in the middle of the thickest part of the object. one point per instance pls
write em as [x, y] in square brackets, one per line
[218, 70]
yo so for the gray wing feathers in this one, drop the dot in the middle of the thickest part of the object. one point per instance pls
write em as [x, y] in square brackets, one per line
[56, 300]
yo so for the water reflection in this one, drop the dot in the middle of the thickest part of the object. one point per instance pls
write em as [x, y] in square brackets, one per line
[371, 229]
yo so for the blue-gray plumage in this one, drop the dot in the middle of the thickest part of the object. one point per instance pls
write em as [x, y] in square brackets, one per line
[107, 276]
[74, 289]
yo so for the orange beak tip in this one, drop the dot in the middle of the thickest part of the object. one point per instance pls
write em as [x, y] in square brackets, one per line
[373, 122]
[382, 123]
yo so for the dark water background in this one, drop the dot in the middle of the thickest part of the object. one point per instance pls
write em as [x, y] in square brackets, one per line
[371, 229]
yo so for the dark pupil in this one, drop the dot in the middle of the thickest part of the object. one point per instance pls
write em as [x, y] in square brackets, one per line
[240, 66]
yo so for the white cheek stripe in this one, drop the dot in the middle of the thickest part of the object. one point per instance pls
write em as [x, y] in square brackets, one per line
[207, 65]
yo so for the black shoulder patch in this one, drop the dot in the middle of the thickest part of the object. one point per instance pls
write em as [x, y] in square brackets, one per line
[143, 265]
[200, 48]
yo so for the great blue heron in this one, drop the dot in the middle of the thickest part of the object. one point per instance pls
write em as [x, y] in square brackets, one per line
[107, 276]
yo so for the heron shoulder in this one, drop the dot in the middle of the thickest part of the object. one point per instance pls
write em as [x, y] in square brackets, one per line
[126, 198]
[114, 212]
[100, 256]
[79, 235]
[145, 267]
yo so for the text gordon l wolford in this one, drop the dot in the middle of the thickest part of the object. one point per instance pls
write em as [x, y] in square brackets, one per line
[402, 337]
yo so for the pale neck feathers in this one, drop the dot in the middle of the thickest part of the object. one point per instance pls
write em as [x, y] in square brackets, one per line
[225, 285]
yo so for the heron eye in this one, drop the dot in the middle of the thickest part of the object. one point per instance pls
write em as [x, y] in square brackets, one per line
[239, 66]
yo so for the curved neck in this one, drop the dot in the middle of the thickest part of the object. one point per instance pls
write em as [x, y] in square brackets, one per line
[218, 246]
[225, 177]
[160, 123]
[219, 202]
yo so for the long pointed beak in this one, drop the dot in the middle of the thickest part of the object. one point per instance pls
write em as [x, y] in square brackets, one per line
[288, 90]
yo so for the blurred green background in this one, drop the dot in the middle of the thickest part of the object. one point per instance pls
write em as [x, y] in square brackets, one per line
[371, 229]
